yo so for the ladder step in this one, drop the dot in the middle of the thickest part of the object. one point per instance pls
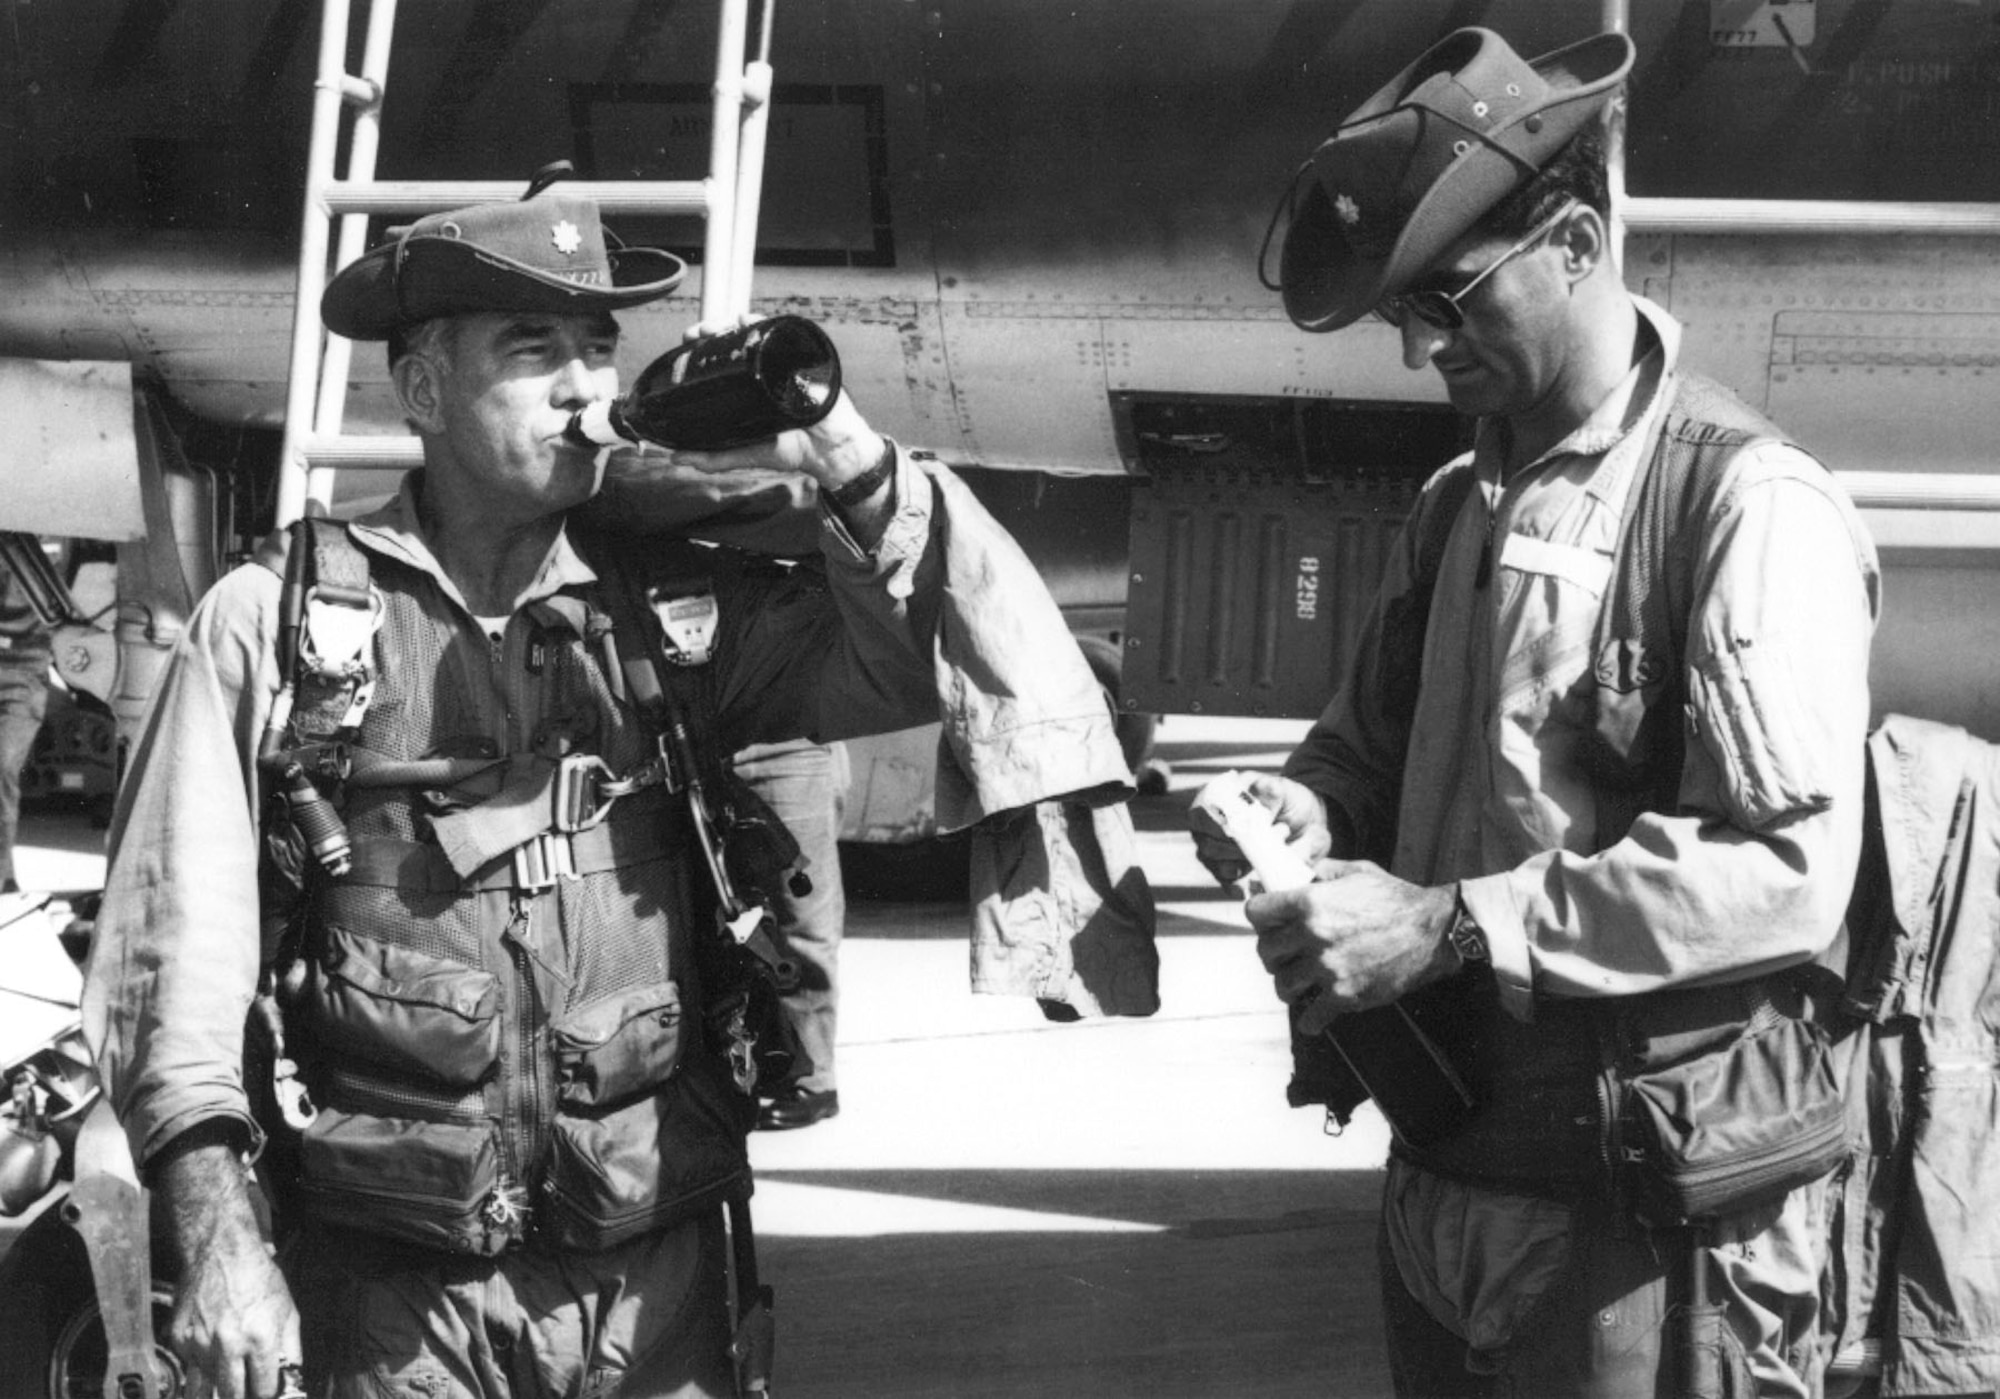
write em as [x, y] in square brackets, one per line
[1819, 217]
[415, 198]
[1921, 490]
[354, 453]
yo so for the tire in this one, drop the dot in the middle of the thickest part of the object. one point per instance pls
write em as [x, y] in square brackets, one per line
[77, 1366]
[1134, 730]
[49, 1327]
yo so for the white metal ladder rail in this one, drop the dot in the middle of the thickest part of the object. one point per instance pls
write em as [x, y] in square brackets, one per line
[315, 406]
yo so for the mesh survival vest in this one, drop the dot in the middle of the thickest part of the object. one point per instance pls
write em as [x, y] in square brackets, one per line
[498, 1000]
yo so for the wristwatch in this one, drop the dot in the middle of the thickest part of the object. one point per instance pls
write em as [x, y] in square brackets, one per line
[852, 492]
[1466, 938]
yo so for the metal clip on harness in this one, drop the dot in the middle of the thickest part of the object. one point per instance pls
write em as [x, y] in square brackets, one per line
[585, 789]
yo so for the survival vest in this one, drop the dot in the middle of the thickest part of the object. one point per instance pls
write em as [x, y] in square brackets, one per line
[492, 939]
[1683, 1103]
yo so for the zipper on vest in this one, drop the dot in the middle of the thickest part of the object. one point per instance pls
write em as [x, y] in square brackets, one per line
[525, 1126]
[1752, 1172]
[507, 685]
[1483, 575]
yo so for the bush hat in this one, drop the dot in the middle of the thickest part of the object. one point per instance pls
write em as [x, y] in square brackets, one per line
[1416, 165]
[547, 252]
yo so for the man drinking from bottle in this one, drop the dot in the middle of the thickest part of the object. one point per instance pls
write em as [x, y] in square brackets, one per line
[433, 800]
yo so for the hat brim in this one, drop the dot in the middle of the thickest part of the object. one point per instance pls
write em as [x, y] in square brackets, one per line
[447, 277]
[1329, 284]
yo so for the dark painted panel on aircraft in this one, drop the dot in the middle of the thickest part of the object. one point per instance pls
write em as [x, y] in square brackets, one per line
[1258, 540]
[1074, 527]
[826, 175]
[133, 47]
[1876, 99]
[493, 32]
[1315, 440]
[1101, 110]
[1247, 597]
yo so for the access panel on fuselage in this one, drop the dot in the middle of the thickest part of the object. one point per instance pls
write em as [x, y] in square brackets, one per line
[1259, 536]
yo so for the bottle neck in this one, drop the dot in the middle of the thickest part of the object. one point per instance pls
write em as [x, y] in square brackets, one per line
[599, 424]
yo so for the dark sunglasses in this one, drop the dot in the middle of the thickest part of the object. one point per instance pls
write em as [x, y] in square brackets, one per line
[1441, 308]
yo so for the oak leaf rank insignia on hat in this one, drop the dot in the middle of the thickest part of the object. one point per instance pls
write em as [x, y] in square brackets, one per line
[548, 252]
[1415, 166]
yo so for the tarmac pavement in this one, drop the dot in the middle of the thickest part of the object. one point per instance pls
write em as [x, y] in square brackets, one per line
[1011, 1207]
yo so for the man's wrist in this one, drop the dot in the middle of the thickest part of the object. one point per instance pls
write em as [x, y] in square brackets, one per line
[860, 488]
[225, 1132]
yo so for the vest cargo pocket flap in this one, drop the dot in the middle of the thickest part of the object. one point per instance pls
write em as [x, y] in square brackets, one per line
[407, 1011]
[429, 1183]
[654, 1163]
[610, 1052]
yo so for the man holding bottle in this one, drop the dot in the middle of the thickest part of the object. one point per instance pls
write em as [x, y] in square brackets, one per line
[1592, 789]
[529, 1092]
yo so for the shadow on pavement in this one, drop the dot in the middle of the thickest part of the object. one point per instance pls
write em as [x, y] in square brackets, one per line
[1260, 1283]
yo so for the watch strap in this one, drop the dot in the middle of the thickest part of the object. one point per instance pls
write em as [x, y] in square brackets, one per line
[851, 493]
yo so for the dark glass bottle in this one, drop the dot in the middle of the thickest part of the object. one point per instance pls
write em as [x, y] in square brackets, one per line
[723, 390]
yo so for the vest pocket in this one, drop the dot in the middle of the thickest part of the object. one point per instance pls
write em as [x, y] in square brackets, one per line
[407, 1012]
[432, 1183]
[654, 1163]
[611, 1052]
[1726, 1131]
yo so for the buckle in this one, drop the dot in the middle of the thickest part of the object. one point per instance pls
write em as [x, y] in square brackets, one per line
[687, 623]
[339, 624]
[661, 767]
[580, 792]
[295, 1104]
[539, 862]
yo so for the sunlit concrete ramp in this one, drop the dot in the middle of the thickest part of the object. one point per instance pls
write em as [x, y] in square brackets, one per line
[1010, 1207]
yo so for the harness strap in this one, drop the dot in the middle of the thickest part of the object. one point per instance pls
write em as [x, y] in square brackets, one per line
[330, 634]
[1407, 620]
[632, 836]
[1641, 638]
[369, 769]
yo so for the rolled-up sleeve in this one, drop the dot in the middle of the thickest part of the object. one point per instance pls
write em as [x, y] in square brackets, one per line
[175, 953]
[945, 620]
[1752, 869]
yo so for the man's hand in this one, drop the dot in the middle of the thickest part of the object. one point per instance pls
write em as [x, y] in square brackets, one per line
[834, 451]
[1358, 938]
[1294, 806]
[234, 1322]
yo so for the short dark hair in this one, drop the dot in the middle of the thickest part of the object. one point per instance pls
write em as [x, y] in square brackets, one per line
[1577, 171]
[431, 336]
